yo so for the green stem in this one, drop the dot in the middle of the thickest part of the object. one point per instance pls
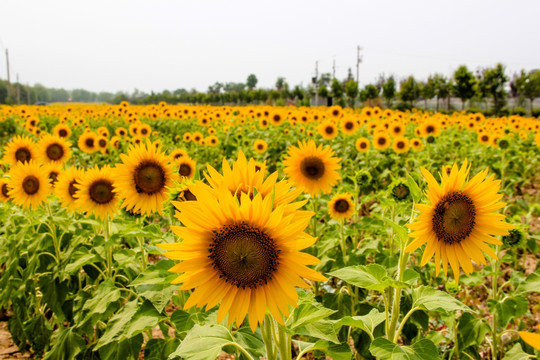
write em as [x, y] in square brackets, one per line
[242, 350]
[140, 240]
[267, 331]
[398, 332]
[386, 311]
[397, 293]
[314, 218]
[494, 295]
[284, 344]
[52, 229]
[108, 247]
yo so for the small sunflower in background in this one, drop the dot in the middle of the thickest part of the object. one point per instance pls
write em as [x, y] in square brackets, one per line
[400, 145]
[460, 220]
[53, 148]
[62, 130]
[212, 140]
[484, 139]
[95, 193]
[65, 189]
[397, 129]
[186, 167]
[348, 125]
[197, 137]
[53, 169]
[362, 144]
[4, 190]
[144, 130]
[88, 142]
[143, 179]
[341, 206]
[187, 137]
[177, 154]
[260, 146]
[381, 141]
[327, 129]
[29, 185]
[312, 168]
[417, 144]
[20, 149]
[121, 132]
[102, 144]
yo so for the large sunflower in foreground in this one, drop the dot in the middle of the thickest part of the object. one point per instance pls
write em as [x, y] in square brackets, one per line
[29, 184]
[95, 193]
[311, 167]
[143, 179]
[20, 149]
[460, 220]
[65, 188]
[244, 254]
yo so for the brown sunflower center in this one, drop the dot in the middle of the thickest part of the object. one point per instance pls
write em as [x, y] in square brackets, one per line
[363, 145]
[381, 141]
[342, 206]
[349, 125]
[260, 146]
[188, 195]
[55, 152]
[101, 191]
[244, 255]
[485, 138]
[329, 130]
[400, 144]
[72, 189]
[102, 143]
[53, 175]
[23, 154]
[30, 185]
[5, 190]
[430, 129]
[89, 142]
[62, 133]
[454, 217]
[185, 170]
[312, 168]
[149, 178]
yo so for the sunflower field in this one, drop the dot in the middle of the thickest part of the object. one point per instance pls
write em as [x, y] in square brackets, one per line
[260, 232]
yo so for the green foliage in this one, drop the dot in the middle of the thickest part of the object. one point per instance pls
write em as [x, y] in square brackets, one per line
[422, 350]
[464, 84]
[409, 90]
[492, 85]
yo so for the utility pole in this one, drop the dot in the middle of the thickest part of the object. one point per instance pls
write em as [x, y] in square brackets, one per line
[7, 62]
[18, 91]
[316, 83]
[27, 93]
[358, 61]
[334, 69]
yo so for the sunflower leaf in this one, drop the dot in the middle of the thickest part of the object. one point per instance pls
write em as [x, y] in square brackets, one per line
[531, 284]
[430, 299]
[422, 350]
[415, 189]
[335, 351]
[372, 277]
[517, 353]
[400, 231]
[308, 311]
[367, 322]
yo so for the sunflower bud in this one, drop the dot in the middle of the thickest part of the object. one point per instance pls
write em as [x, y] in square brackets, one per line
[400, 191]
[514, 239]
[363, 178]
[452, 287]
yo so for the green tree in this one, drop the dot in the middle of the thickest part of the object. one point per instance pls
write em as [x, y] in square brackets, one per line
[492, 85]
[389, 90]
[409, 90]
[323, 91]
[528, 86]
[298, 93]
[337, 89]
[369, 93]
[464, 85]
[351, 90]
[442, 89]
[280, 83]
[3, 92]
[252, 81]
[428, 90]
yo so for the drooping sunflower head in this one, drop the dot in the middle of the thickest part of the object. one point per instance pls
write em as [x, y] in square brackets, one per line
[65, 189]
[341, 206]
[29, 185]
[53, 148]
[143, 178]
[244, 254]
[95, 192]
[20, 149]
[460, 220]
[312, 168]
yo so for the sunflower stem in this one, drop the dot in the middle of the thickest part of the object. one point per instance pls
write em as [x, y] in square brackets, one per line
[495, 296]
[108, 246]
[267, 330]
[397, 293]
[140, 240]
[284, 344]
[52, 229]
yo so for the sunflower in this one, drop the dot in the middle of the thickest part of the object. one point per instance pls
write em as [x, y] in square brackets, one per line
[400, 145]
[260, 146]
[102, 144]
[186, 167]
[381, 141]
[362, 144]
[244, 253]
[4, 190]
[336, 112]
[53, 148]
[312, 167]
[53, 169]
[88, 142]
[531, 338]
[20, 149]
[115, 142]
[65, 189]
[120, 131]
[187, 137]
[145, 130]
[397, 129]
[276, 117]
[484, 139]
[177, 154]
[417, 144]
[143, 178]
[327, 129]
[29, 184]
[348, 126]
[62, 130]
[341, 206]
[460, 220]
[95, 192]
[212, 140]
[197, 137]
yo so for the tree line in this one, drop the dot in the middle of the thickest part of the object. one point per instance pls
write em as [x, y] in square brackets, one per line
[488, 90]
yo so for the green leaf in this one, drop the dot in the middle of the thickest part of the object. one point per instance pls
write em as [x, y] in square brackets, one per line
[204, 342]
[427, 298]
[511, 307]
[517, 353]
[531, 284]
[155, 285]
[54, 294]
[106, 294]
[415, 189]
[184, 321]
[387, 350]
[250, 341]
[127, 349]
[368, 322]
[308, 311]
[132, 320]
[159, 349]
[321, 329]
[334, 351]
[471, 331]
[82, 259]
[400, 231]
[372, 277]
[67, 345]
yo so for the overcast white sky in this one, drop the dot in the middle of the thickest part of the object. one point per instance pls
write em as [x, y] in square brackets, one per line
[117, 45]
